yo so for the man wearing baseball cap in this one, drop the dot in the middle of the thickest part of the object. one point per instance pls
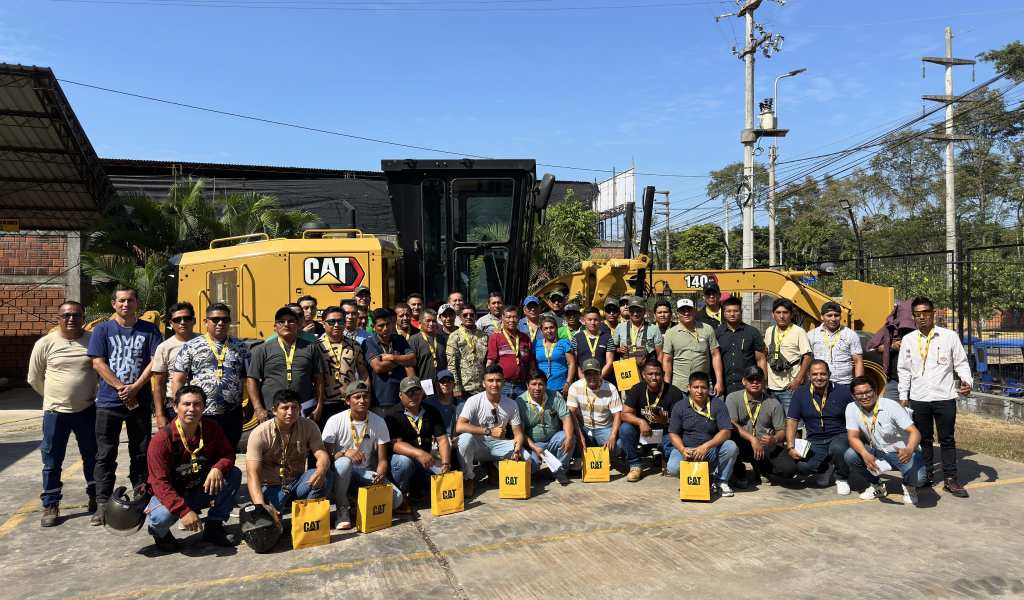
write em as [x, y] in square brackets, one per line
[414, 429]
[636, 337]
[596, 404]
[530, 323]
[759, 430]
[711, 313]
[611, 315]
[691, 347]
[362, 296]
[446, 314]
[444, 400]
[572, 320]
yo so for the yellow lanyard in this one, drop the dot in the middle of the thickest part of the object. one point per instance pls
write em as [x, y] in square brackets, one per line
[820, 408]
[592, 344]
[657, 400]
[752, 415]
[432, 346]
[924, 344]
[514, 347]
[694, 333]
[539, 413]
[871, 427]
[706, 415]
[336, 355]
[289, 356]
[218, 356]
[611, 326]
[417, 424]
[830, 340]
[548, 353]
[282, 467]
[781, 338]
[470, 343]
[533, 334]
[591, 398]
[357, 440]
[714, 315]
[635, 333]
[184, 443]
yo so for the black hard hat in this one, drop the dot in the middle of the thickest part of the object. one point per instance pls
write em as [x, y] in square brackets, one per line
[260, 530]
[123, 515]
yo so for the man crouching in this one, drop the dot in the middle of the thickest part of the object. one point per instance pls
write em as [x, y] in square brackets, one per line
[191, 467]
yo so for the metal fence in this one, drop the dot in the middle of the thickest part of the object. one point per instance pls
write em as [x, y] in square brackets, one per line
[991, 311]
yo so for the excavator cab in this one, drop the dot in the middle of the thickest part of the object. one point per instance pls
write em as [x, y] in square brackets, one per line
[465, 225]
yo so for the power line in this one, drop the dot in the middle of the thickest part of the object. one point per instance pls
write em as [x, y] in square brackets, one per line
[319, 5]
[343, 134]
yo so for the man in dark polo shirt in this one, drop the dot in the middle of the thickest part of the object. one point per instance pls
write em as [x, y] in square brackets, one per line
[645, 416]
[391, 359]
[513, 351]
[711, 312]
[414, 427]
[700, 430]
[759, 430]
[594, 341]
[822, 408]
[740, 345]
[286, 362]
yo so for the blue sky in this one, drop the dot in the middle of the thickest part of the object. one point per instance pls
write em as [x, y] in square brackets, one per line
[653, 84]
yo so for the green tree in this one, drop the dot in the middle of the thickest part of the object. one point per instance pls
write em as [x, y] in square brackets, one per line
[567, 236]
[698, 247]
[1009, 59]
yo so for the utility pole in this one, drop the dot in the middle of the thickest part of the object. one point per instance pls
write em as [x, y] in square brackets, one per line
[949, 137]
[773, 154]
[728, 226]
[756, 38]
[667, 213]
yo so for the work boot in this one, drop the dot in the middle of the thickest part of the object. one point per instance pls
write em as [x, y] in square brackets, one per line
[51, 516]
[952, 486]
[165, 543]
[492, 473]
[214, 533]
[405, 509]
[97, 519]
[635, 474]
[561, 476]
[92, 505]
[468, 488]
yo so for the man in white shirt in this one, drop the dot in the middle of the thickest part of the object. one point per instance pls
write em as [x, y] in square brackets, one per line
[928, 359]
[358, 441]
[789, 353]
[879, 429]
[596, 404]
[837, 345]
[485, 419]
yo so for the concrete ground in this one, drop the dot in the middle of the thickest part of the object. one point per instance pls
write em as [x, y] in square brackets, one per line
[611, 540]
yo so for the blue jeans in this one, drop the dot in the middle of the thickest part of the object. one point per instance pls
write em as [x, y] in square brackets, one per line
[479, 448]
[554, 446]
[512, 390]
[914, 472]
[824, 452]
[406, 471]
[783, 396]
[599, 437]
[281, 496]
[629, 436]
[57, 429]
[350, 477]
[160, 519]
[720, 459]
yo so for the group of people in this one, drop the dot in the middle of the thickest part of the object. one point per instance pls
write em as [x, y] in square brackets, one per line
[413, 391]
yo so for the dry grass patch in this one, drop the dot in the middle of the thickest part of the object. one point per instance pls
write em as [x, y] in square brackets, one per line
[994, 437]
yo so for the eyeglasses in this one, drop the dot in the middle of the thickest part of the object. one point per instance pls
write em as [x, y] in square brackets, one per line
[180, 320]
[334, 322]
[69, 316]
[218, 320]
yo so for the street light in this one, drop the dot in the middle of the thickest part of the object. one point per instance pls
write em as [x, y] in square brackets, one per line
[773, 154]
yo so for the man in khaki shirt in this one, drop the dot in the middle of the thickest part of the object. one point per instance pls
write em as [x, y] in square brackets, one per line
[691, 347]
[789, 353]
[275, 457]
[60, 371]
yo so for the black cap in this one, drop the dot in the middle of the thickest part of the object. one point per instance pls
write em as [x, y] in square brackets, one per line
[284, 311]
[711, 287]
[753, 373]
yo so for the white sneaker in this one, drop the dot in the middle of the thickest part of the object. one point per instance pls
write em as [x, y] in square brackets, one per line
[842, 487]
[909, 495]
[875, 490]
[725, 490]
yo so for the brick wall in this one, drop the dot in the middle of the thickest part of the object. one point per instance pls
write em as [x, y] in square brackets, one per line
[32, 286]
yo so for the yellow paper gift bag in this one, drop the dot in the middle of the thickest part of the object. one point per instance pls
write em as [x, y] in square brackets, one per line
[595, 465]
[373, 508]
[627, 374]
[694, 481]
[311, 523]
[446, 494]
[514, 479]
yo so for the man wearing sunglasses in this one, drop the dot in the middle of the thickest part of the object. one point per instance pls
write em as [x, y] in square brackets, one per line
[286, 362]
[344, 363]
[61, 372]
[215, 362]
[929, 357]
[182, 321]
[122, 350]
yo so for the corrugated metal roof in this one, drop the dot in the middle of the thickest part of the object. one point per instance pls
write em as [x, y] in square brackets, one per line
[50, 176]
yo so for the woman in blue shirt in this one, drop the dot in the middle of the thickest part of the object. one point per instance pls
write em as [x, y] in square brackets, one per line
[554, 356]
